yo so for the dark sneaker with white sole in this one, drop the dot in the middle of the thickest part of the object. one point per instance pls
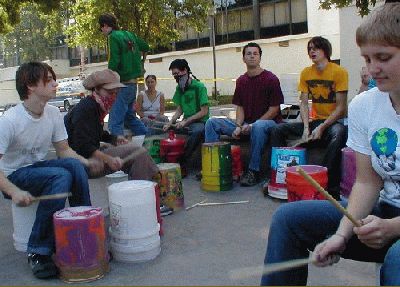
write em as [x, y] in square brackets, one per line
[165, 210]
[42, 266]
[250, 178]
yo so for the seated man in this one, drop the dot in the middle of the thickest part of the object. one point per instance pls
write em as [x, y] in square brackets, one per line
[258, 96]
[27, 131]
[192, 102]
[326, 83]
[84, 125]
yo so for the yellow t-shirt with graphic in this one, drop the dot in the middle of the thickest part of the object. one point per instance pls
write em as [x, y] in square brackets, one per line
[321, 88]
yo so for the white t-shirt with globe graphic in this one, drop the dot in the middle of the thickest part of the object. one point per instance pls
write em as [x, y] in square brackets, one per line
[374, 129]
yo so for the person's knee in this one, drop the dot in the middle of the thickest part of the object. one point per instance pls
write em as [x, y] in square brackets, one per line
[61, 178]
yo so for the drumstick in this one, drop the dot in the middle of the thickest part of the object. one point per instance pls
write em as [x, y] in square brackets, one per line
[327, 195]
[269, 268]
[222, 203]
[196, 204]
[52, 196]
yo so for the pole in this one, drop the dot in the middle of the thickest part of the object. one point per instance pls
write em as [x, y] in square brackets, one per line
[214, 58]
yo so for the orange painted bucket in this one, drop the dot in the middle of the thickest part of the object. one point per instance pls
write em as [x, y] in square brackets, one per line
[299, 188]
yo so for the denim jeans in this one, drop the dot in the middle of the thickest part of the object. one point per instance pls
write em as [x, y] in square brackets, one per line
[122, 113]
[196, 134]
[258, 136]
[334, 139]
[51, 177]
[297, 227]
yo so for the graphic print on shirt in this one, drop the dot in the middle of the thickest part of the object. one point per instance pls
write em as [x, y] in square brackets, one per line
[384, 143]
[322, 91]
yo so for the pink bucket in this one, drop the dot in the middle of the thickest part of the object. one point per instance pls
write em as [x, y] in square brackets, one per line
[348, 172]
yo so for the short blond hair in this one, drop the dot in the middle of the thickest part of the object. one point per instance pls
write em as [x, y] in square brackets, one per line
[381, 27]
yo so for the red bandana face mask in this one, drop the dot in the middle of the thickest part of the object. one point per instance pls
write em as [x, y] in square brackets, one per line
[105, 103]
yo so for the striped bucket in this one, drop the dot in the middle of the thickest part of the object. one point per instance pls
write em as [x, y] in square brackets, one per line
[216, 166]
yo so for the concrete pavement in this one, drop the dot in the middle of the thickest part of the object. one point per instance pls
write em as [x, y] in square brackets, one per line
[200, 246]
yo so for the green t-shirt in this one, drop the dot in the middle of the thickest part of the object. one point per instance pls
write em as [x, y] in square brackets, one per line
[191, 101]
[125, 51]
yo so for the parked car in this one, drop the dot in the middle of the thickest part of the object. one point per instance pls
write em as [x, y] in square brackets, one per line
[65, 103]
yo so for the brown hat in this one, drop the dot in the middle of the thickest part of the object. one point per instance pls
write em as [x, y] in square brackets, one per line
[107, 78]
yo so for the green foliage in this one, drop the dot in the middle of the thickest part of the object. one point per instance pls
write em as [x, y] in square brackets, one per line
[29, 40]
[362, 5]
[152, 20]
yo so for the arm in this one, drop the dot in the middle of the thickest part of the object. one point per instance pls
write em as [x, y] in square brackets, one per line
[239, 122]
[162, 104]
[197, 116]
[114, 57]
[304, 113]
[362, 199]
[63, 150]
[18, 196]
[271, 113]
[338, 113]
[177, 115]
[139, 105]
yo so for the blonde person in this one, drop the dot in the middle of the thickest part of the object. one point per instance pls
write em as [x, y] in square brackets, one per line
[150, 106]
[374, 132]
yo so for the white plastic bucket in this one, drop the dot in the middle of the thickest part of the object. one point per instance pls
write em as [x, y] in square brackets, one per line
[138, 140]
[116, 177]
[23, 219]
[134, 229]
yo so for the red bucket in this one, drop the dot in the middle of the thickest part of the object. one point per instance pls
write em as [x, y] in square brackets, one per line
[299, 188]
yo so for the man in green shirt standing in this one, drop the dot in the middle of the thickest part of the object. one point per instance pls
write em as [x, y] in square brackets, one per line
[192, 102]
[126, 51]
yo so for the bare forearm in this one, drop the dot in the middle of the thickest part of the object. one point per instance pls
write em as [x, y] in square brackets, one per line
[199, 115]
[7, 186]
[70, 153]
[271, 113]
[304, 113]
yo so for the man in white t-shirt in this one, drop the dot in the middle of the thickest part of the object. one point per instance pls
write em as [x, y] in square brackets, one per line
[27, 131]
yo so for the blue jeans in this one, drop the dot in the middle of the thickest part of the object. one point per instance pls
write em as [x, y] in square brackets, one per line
[298, 227]
[51, 177]
[122, 113]
[216, 127]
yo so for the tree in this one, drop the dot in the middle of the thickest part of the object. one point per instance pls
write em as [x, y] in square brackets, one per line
[362, 5]
[153, 20]
[30, 39]
[10, 11]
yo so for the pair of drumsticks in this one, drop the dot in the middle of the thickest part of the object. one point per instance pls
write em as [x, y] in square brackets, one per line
[282, 266]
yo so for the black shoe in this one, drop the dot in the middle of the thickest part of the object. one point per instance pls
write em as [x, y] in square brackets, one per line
[250, 178]
[198, 176]
[42, 266]
[165, 210]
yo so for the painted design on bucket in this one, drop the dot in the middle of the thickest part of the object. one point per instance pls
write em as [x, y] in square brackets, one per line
[80, 235]
[216, 165]
[169, 180]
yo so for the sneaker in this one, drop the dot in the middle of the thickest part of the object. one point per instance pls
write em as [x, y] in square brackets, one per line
[42, 266]
[165, 210]
[198, 176]
[250, 178]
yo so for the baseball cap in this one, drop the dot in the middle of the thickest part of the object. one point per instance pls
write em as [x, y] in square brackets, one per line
[107, 78]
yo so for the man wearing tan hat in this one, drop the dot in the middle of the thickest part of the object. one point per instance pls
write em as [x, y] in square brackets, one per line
[84, 125]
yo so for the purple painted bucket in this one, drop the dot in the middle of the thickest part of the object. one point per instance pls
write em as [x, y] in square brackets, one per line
[81, 248]
[348, 172]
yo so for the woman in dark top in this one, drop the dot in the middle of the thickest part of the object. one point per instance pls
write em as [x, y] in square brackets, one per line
[84, 124]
